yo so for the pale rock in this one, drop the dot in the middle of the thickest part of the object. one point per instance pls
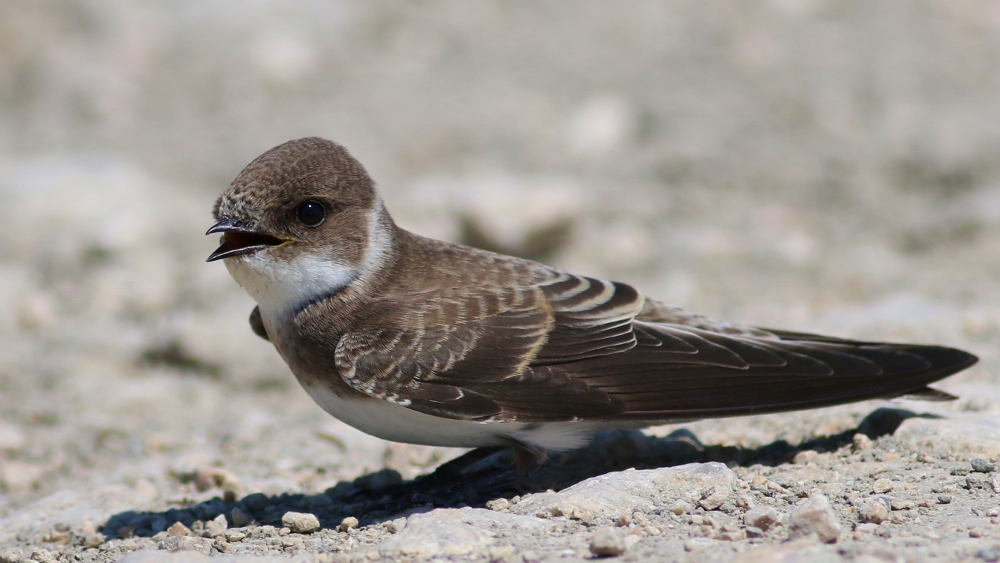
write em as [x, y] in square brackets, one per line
[716, 498]
[618, 494]
[300, 522]
[348, 523]
[178, 529]
[815, 516]
[43, 556]
[451, 532]
[681, 507]
[861, 443]
[498, 505]
[872, 510]
[882, 486]
[216, 527]
[607, 542]
[394, 526]
[762, 517]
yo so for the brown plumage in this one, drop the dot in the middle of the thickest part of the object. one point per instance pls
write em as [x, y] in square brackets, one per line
[380, 324]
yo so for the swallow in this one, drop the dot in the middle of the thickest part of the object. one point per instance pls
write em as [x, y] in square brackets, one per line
[426, 342]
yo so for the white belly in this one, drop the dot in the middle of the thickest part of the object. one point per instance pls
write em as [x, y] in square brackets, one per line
[400, 424]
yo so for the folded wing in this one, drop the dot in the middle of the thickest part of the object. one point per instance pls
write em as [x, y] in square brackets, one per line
[567, 348]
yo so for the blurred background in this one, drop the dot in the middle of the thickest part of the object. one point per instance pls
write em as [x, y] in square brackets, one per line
[823, 165]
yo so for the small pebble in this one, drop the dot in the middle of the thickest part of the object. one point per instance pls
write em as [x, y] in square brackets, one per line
[234, 536]
[216, 527]
[754, 532]
[980, 465]
[976, 533]
[348, 523]
[814, 516]
[11, 555]
[681, 507]
[763, 517]
[498, 505]
[882, 486]
[897, 504]
[43, 556]
[178, 529]
[944, 499]
[300, 522]
[872, 510]
[860, 443]
[395, 526]
[607, 542]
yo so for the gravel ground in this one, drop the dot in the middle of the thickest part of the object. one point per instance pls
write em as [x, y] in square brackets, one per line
[812, 165]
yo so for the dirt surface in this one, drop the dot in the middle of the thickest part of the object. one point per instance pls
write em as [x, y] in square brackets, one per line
[819, 166]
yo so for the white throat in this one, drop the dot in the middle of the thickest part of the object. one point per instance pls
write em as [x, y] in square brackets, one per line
[282, 288]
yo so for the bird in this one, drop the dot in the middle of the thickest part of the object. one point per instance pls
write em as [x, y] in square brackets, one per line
[416, 340]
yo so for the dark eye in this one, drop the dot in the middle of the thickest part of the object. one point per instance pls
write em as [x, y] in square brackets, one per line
[311, 213]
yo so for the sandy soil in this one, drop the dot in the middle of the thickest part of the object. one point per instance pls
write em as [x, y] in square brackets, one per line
[814, 165]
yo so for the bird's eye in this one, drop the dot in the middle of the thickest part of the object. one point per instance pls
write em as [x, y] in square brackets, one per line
[311, 213]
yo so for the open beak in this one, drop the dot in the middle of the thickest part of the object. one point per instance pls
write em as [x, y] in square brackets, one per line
[238, 240]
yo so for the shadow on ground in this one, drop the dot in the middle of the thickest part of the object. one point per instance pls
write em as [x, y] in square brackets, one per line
[383, 495]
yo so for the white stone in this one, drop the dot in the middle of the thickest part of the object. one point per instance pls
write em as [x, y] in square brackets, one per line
[815, 516]
[619, 494]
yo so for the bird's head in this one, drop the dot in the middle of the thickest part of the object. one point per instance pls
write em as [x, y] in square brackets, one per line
[300, 221]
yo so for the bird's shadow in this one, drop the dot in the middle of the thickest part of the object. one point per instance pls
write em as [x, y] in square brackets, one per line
[481, 475]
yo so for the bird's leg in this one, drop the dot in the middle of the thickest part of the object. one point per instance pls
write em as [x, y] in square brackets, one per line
[528, 458]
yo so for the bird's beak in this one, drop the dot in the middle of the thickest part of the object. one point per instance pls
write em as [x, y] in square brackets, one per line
[238, 240]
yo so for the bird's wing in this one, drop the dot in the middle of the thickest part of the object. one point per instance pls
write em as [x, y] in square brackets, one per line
[780, 372]
[574, 348]
[485, 355]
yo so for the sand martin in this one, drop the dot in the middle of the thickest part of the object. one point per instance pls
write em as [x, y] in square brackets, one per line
[422, 341]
